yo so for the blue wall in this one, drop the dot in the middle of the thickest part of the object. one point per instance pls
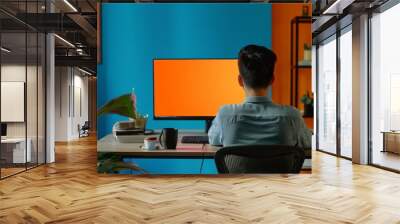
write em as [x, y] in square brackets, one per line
[134, 34]
[173, 165]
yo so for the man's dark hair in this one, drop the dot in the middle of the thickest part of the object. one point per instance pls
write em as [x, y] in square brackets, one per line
[256, 66]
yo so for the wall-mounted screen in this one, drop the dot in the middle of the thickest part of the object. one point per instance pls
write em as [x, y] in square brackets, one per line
[12, 101]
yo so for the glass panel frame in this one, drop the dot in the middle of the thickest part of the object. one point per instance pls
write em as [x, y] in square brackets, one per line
[13, 67]
[345, 93]
[25, 60]
[326, 75]
[384, 84]
[335, 139]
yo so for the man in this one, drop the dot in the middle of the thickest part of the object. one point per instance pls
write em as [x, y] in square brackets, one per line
[258, 120]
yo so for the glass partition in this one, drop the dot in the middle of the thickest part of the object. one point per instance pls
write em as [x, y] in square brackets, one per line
[41, 107]
[14, 153]
[327, 96]
[385, 89]
[22, 107]
[32, 97]
[346, 93]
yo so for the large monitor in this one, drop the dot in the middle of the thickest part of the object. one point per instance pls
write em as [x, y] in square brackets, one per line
[194, 88]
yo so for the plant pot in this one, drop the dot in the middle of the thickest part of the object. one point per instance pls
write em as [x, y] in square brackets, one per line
[141, 123]
[308, 110]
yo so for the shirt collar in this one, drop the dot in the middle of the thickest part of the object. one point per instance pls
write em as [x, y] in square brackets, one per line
[257, 99]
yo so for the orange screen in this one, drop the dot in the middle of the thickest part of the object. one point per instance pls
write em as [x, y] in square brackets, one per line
[195, 87]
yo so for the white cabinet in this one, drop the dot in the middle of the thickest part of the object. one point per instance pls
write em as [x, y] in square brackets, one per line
[17, 146]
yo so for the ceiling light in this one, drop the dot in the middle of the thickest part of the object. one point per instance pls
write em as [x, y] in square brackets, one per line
[65, 41]
[70, 5]
[84, 71]
[331, 7]
[5, 50]
[337, 7]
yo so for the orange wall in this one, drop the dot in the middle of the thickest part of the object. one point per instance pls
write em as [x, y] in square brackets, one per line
[282, 14]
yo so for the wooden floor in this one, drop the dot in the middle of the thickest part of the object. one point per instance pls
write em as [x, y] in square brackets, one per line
[70, 191]
[5, 172]
[386, 159]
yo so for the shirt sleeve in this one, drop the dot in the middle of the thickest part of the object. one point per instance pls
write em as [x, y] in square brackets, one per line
[215, 132]
[304, 135]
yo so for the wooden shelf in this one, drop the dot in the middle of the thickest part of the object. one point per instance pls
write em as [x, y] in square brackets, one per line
[301, 67]
[295, 62]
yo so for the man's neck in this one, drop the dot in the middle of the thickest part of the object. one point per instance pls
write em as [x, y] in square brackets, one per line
[256, 92]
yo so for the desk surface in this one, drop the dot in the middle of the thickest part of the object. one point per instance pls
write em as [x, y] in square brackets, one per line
[109, 144]
[13, 140]
[391, 132]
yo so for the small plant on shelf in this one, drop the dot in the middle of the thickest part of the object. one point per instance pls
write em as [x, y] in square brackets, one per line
[308, 101]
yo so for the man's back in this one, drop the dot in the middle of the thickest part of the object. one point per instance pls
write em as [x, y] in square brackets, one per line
[259, 121]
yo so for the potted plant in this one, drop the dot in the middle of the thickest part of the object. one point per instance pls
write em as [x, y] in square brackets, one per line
[124, 105]
[113, 163]
[308, 102]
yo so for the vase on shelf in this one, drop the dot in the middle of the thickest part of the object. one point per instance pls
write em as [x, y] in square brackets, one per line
[308, 110]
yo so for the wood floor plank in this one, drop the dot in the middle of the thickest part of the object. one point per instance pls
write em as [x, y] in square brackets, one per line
[71, 191]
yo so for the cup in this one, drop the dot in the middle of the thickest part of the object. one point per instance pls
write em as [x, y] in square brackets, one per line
[150, 143]
[169, 138]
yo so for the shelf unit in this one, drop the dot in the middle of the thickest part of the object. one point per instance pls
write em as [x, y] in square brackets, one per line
[294, 57]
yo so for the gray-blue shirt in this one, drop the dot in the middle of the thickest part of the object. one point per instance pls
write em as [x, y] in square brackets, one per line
[259, 121]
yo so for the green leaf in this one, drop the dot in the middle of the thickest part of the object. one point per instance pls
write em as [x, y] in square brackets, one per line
[112, 163]
[122, 105]
[307, 99]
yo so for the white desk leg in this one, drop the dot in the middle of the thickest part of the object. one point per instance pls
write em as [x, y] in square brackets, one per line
[19, 153]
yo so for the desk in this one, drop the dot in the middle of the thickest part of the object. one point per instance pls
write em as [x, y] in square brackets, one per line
[186, 159]
[109, 144]
[13, 150]
[391, 141]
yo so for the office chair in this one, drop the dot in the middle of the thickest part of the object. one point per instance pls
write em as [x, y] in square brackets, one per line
[84, 130]
[259, 159]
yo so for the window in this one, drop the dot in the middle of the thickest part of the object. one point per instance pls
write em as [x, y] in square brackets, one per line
[346, 93]
[326, 96]
[385, 89]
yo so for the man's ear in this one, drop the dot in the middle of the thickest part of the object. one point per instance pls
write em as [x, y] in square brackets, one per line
[240, 81]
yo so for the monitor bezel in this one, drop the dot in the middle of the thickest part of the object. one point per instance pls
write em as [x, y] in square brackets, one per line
[209, 118]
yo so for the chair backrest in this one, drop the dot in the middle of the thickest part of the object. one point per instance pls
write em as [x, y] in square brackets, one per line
[259, 159]
[86, 125]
